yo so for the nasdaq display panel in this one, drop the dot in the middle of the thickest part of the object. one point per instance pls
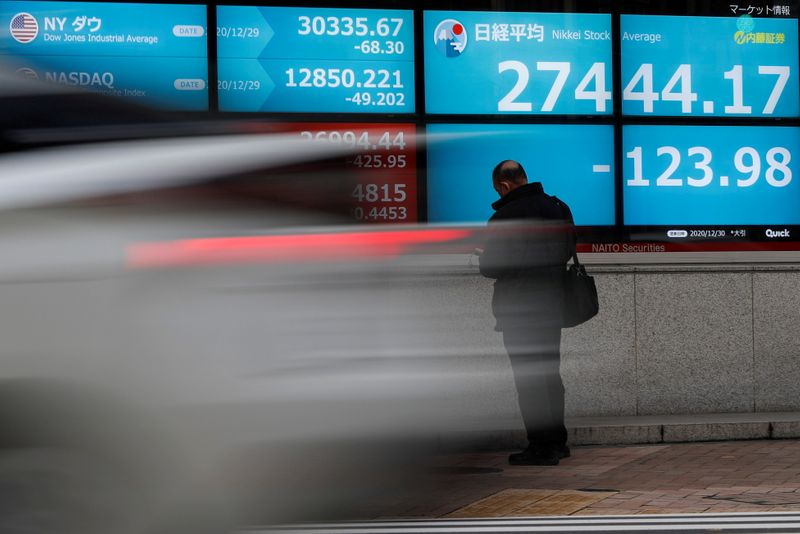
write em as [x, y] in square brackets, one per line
[461, 158]
[709, 66]
[304, 59]
[152, 53]
[517, 63]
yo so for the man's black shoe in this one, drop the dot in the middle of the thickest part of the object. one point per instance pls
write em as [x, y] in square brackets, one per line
[562, 451]
[534, 456]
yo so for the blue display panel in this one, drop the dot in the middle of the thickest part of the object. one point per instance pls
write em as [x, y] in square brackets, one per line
[711, 175]
[155, 53]
[709, 66]
[517, 63]
[172, 83]
[461, 159]
[298, 59]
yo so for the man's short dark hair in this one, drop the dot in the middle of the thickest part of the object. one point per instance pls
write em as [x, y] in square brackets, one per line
[509, 171]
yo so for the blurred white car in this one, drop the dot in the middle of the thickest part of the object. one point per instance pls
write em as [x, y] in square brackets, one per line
[188, 344]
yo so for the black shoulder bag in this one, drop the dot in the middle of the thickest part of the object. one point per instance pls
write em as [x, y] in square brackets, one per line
[580, 292]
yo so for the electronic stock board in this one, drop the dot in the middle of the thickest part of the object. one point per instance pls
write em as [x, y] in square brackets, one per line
[296, 59]
[286, 59]
[732, 173]
[156, 54]
[666, 121]
[704, 111]
[517, 64]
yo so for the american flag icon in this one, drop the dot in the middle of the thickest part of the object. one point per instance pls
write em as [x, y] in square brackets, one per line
[24, 28]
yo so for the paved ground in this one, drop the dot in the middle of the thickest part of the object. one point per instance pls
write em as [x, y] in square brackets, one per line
[717, 477]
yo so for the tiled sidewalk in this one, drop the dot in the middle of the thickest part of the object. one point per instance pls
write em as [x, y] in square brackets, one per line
[738, 476]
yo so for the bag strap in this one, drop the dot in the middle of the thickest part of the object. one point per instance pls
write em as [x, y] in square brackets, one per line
[565, 214]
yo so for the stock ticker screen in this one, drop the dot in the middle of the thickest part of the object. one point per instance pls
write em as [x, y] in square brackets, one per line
[517, 63]
[156, 54]
[461, 158]
[654, 121]
[711, 175]
[328, 60]
[385, 166]
[709, 66]
[733, 175]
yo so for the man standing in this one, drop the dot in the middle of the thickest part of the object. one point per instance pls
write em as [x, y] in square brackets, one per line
[532, 238]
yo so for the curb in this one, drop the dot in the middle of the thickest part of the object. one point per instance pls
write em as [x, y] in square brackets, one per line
[683, 428]
[640, 430]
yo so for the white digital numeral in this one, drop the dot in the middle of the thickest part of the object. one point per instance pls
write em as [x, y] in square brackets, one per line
[507, 103]
[777, 90]
[754, 167]
[666, 179]
[735, 75]
[702, 165]
[398, 24]
[599, 95]
[646, 95]
[782, 166]
[562, 68]
[305, 25]
[747, 161]
[638, 173]
[685, 96]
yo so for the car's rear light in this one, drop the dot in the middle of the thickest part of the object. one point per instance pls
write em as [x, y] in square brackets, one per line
[334, 246]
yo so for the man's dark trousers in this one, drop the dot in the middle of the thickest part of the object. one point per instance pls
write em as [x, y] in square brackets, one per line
[534, 351]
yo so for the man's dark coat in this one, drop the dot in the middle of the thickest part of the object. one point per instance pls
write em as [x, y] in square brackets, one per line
[531, 239]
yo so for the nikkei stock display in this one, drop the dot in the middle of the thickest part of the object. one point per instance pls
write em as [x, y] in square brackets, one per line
[741, 68]
[713, 179]
[296, 59]
[156, 54]
[711, 176]
[517, 63]
[461, 158]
